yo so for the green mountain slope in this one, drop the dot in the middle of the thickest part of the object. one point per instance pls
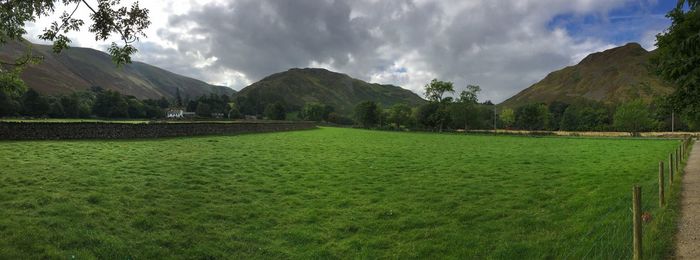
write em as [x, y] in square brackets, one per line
[296, 87]
[81, 68]
[612, 76]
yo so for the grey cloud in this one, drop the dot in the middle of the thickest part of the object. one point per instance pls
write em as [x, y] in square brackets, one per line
[504, 46]
[262, 37]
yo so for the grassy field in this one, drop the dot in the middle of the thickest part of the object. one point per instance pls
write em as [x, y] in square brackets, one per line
[329, 193]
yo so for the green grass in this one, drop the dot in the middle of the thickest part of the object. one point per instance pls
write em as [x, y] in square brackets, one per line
[330, 193]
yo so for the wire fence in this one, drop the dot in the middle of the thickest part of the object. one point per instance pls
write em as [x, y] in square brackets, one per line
[669, 178]
[606, 226]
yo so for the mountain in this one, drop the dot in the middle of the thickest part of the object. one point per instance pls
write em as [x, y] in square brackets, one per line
[613, 76]
[81, 68]
[296, 87]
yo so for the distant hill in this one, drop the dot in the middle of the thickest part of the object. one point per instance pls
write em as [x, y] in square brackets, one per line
[81, 68]
[296, 87]
[613, 76]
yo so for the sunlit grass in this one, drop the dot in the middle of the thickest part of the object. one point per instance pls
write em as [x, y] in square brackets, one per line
[329, 193]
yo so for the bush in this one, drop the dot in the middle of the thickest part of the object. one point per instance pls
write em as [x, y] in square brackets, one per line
[275, 112]
[367, 114]
[533, 116]
[633, 117]
[8, 105]
[34, 104]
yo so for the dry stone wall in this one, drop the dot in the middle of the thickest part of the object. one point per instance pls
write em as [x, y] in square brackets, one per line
[102, 130]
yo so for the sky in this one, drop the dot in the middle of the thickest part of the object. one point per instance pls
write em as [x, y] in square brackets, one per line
[504, 46]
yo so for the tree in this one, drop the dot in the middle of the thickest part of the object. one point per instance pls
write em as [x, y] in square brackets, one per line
[592, 118]
[507, 117]
[56, 108]
[693, 121]
[313, 111]
[136, 108]
[470, 94]
[11, 85]
[217, 103]
[233, 112]
[436, 89]
[556, 112]
[192, 106]
[367, 114]
[111, 104]
[70, 105]
[86, 101]
[533, 116]
[632, 117]
[34, 104]
[463, 111]
[433, 115]
[275, 112]
[399, 115]
[462, 114]
[327, 110]
[678, 56]
[151, 109]
[120, 106]
[203, 109]
[436, 114]
[584, 117]
[163, 103]
[569, 120]
[11, 90]
[108, 18]
[178, 98]
[8, 105]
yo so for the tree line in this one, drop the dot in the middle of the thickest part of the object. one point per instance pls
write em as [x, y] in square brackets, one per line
[95, 102]
[443, 112]
[633, 116]
[18, 100]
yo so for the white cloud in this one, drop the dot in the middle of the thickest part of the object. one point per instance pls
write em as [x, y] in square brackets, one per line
[504, 45]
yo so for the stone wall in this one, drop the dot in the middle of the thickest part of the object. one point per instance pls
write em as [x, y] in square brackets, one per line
[106, 130]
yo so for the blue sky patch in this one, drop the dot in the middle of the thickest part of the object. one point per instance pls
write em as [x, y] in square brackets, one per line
[633, 22]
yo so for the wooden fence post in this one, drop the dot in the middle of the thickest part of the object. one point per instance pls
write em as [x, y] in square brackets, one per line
[682, 150]
[637, 222]
[662, 200]
[678, 161]
[670, 169]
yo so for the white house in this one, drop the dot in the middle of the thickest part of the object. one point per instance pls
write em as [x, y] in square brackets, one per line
[175, 113]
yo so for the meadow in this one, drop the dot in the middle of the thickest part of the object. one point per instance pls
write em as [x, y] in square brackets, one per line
[330, 193]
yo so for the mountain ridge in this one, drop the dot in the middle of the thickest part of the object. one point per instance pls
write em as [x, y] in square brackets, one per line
[616, 75]
[297, 86]
[78, 68]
